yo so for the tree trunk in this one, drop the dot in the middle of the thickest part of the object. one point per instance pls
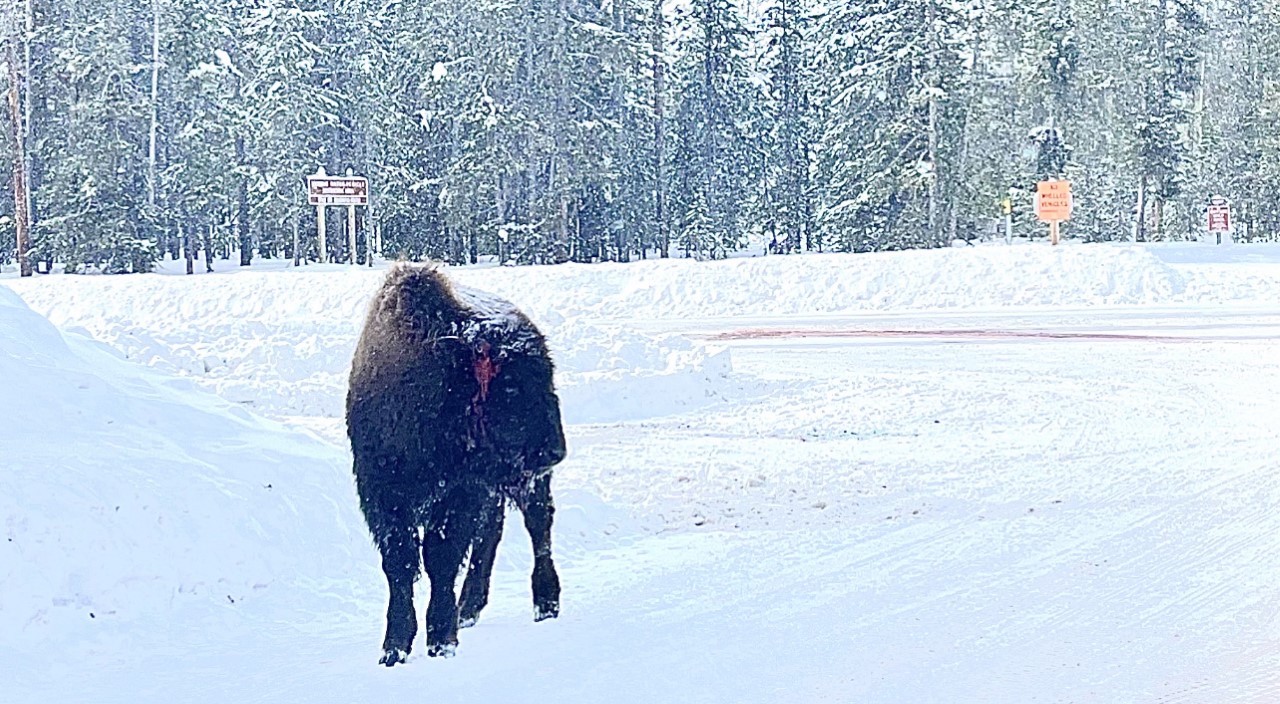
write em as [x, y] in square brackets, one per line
[31, 180]
[242, 208]
[658, 47]
[187, 244]
[297, 243]
[1140, 225]
[208, 250]
[710, 143]
[935, 176]
[1157, 216]
[155, 109]
[20, 201]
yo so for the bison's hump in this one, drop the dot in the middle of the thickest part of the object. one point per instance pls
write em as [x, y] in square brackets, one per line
[487, 305]
[496, 319]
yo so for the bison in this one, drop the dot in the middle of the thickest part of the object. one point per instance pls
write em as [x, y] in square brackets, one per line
[451, 412]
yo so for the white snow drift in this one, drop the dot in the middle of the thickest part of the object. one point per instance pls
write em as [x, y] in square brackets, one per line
[126, 496]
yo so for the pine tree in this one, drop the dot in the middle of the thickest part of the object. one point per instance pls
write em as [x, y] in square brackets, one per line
[94, 129]
[787, 210]
[1175, 29]
[714, 119]
[890, 123]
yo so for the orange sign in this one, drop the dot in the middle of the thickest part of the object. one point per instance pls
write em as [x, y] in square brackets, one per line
[1053, 201]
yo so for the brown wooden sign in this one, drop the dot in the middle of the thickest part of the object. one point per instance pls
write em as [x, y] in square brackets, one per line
[337, 190]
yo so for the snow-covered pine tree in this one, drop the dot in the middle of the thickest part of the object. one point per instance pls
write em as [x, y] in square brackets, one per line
[632, 194]
[1059, 59]
[716, 162]
[94, 135]
[409, 146]
[1174, 30]
[787, 209]
[198, 113]
[1241, 116]
[890, 123]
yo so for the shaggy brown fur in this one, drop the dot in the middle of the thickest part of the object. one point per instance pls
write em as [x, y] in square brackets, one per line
[451, 409]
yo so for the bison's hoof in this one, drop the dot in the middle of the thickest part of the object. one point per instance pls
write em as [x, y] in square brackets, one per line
[543, 612]
[467, 621]
[443, 650]
[394, 656]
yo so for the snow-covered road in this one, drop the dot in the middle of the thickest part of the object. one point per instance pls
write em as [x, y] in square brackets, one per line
[1047, 519]
[1027, 505]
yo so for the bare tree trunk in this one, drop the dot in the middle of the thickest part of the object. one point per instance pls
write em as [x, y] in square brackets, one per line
[26, 123]
[155, 100]
[1140, 225]
[658, 47]
[622, 250]
[19, 159]
[187, 243]
[934, 235]
[242, 208]
[208, 250]
[560, 177]
[297, 242]
[500, 205]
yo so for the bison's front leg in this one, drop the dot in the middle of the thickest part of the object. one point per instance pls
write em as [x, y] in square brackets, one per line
[475, 589]
[539, 510]
[399, 548]
[447, 537]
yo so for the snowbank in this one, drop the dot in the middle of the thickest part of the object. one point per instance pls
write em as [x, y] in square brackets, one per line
[124, 498]
[280, 339]
[281, 342]
[966, 278]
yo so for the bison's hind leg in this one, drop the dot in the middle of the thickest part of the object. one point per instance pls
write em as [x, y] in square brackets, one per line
[475, 589]
[448, 535]
[539, 510]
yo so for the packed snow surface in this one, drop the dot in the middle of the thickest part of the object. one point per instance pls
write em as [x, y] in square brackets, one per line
[987, 474]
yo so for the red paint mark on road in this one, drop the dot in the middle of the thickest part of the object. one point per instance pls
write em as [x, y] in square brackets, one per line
[981, 334]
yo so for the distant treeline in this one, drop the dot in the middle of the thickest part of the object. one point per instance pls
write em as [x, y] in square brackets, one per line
[553, 130]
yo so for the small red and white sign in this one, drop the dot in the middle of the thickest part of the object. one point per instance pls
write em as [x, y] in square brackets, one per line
[1219, 215]
[337, 190]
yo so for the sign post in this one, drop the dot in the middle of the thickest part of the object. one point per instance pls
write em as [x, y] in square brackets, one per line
[324, 246]
[351, 224]
[351, 232]
[1218, 215]
[323, 190]
[1007, 206]
[1053, 205]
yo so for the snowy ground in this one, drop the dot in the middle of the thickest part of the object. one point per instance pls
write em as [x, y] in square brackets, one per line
[977, 475]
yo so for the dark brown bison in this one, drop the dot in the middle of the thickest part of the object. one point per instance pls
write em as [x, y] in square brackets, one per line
[451, 412]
